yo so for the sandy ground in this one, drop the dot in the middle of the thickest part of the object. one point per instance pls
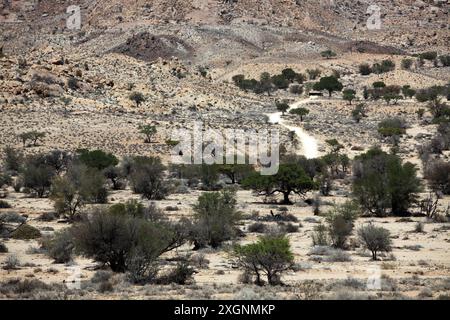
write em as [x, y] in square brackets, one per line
[429, 261]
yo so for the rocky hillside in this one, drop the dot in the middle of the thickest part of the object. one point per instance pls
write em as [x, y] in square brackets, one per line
[405, 24]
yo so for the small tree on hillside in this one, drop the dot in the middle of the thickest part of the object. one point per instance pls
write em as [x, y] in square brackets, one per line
[359, 112]
[289, 74]
[148, 130]
[266, 84]
[97, 159]
[365, 69]
[330, 84]
[313, 73]
[328, 54]
[33, 136]
[282, 107]
[349, 95]
[300, 112]
[137, 98]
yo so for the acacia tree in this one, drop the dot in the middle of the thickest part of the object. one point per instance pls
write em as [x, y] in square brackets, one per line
[124, 243]
[270, 255]
[300, 112]
[146, 177]
[282, 107]
[330, 84]
[236, 172]
[215, 219]
[37, 175]
[149, 131]
[382, 182]
[349, 95]
[289, 74]
[375, 239]
[290, 178]
[265, 83]
[34, 136]
[79, 186]
[328, 54]
[137, 97]
[97, 159]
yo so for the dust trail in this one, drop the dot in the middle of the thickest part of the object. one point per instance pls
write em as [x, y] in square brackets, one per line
[310, 148]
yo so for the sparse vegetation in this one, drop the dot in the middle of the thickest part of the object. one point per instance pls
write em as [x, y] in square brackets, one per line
[376, 239]
[271, 255]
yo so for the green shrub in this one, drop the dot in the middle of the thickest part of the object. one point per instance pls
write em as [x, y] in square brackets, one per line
[3, 248]
[59, 247]
[340, 222]
[320, 235]
[375, 239]
[381, 182]
[5, 179]
[445, 60]
[271, 255]
[12, 217]
[215, 217]
[429, 55]
[4, 204]
[101, 276]
[181, 274]
[23, 286]
[126, 244]
[392, 127]
[147, 178]
[257, 227]
[97, 159]
[407, 63]
[13, 159]
[384, 66]
[365, 69]
[26, 232]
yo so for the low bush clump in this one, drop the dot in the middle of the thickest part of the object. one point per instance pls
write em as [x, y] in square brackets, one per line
[26, 232]
[101, 276]
[126, 243]
[11, 262]
[22, 286]
[375, 239]
[4, 204]
[270, 256]
[59, 247]
[3, 248]
[257, 227]
[181, 274]
[12, 217]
